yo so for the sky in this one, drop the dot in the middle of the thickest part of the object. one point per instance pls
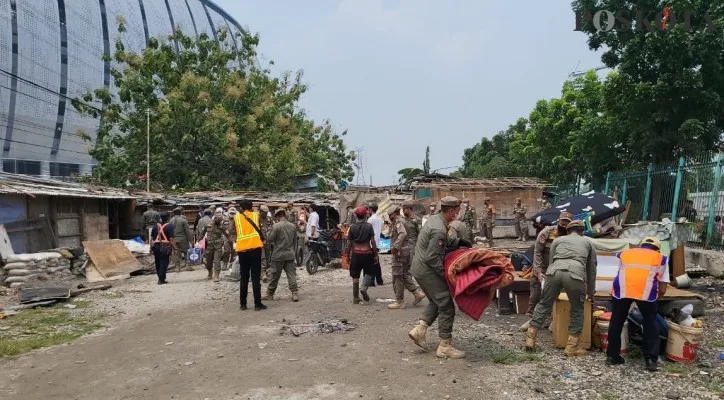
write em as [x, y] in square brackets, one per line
[401, 75]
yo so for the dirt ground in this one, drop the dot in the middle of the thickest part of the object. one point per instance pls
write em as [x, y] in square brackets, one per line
[189, 340]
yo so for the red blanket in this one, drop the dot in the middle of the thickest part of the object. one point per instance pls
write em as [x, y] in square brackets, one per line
[473, 276]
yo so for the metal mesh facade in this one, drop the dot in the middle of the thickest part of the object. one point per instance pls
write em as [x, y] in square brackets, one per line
[51, 53]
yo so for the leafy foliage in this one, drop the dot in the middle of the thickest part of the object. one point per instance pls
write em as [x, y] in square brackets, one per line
[664, 100]
[217, 120]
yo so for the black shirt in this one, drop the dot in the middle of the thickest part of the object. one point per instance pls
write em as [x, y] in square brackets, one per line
[361, 232]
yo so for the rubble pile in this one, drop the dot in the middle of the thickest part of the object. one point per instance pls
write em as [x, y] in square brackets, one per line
[20, 269]
[326, 326]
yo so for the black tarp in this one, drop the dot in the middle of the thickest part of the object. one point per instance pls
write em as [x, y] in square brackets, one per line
[599, 205]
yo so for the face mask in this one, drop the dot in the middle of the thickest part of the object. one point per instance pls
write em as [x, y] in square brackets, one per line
[268, 214]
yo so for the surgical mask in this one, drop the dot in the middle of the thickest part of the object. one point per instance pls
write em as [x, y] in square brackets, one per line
[268, 214]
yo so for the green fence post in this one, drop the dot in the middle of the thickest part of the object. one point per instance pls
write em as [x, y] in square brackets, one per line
[623, 191]
[713, 199]
[608, 181]
[647, 194]
[677, 188]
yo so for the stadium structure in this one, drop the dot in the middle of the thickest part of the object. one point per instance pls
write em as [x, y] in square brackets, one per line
[51, 52]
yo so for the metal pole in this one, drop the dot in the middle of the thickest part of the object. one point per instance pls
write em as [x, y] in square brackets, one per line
[148, 150]
[714, 199]
[677, 188]
[608, 181]
[647, 194]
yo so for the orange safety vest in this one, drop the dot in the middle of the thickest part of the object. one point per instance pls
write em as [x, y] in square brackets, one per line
[247, 238]
[638, 275]
[161, 235]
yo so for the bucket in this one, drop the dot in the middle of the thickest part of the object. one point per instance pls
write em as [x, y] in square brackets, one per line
[683, 281]
[602, 333]
[682, 343]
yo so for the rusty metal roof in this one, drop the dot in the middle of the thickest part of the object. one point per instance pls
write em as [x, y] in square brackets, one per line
[448, 182]
[32, 186]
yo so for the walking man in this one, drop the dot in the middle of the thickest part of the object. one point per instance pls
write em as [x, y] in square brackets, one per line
[281, 238]
[228, 255]
[184, 239]
[521, 225]
[202, 223]
[163, 245]
[376, 223]
[429, 271]
[151, 218]
[249, 244]
[573, 270]
[266, 225]
[643, 276]
[470, 218]
[216, 234]
[361, 252]
[400, 248]
[488, 221]
[541, 258]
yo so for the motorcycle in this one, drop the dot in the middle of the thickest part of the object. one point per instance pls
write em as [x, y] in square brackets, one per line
[322, 250]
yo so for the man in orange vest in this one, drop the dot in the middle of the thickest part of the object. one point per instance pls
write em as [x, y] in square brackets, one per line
[643, 276]
[249, 244]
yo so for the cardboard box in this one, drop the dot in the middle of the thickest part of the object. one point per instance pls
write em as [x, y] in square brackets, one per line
[561, 319]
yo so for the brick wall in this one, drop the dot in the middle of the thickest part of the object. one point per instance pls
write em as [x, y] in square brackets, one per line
[502, 200]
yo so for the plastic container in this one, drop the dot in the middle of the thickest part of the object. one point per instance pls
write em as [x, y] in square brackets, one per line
[682, 343]
[602, 333]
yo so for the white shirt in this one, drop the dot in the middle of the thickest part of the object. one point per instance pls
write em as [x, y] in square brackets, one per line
[313, 222]
[376, 223]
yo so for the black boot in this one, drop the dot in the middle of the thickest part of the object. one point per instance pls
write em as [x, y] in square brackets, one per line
[651, 366]
[355, 293]
[615, 360]
[257, 297]
[243, 293]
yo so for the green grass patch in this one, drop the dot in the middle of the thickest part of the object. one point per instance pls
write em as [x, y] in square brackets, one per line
[716, 344]
[610, 396]
[635, 353]
[715, 385]
[33, 329]
[674, 368]
[113, 295]
[508, 357]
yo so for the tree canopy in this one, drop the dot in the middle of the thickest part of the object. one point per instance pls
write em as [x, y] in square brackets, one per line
[217, 119]
[663, 100]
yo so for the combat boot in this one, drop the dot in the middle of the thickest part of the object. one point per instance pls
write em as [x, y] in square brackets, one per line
[264, 277]
[525, 326]
[269, 296]
[530, 338]
[446, 350]
[295, 296]
[216, 276]
[572, 349]
[419, 296]
[396, 305]
[209, 276]
[418, 333]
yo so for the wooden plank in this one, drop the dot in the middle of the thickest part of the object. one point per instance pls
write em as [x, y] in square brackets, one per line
[111, 257]
[678, 262]
[92, 274]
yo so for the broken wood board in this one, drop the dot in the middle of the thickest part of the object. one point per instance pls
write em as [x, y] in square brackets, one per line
[76, 292]
[111, 257]
[6, 248]
[93, 275]
[34, 295]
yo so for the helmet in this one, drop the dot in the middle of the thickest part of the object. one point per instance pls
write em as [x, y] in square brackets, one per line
[652, 241]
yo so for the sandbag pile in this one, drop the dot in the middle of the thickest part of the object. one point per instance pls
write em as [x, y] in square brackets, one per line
[21, 268]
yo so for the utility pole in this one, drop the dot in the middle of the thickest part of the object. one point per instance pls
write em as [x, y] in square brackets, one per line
[148, 150]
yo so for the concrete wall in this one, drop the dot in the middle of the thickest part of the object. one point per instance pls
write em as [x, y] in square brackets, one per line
[712, 261]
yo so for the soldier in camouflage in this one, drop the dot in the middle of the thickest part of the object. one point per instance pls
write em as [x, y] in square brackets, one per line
[541, 254]
[266, 225]
[400, 249]
[216, 234]
[545, 203]
[228, 254]
[470, 218]
[488, 221]
[521, 225]
[184, 239]
[429, 271]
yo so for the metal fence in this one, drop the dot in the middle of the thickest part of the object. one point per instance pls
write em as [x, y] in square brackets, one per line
[691, 188]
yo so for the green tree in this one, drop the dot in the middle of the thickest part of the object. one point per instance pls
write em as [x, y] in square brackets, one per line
[426, 163]
[408, 173]
[217, 120]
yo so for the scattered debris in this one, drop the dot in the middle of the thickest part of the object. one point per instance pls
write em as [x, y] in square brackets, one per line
[71, 306]
[385, 300]
[262, 345]
[187, 363]
[168, 343]
[28, 306]
[326, 326]
[84, 289]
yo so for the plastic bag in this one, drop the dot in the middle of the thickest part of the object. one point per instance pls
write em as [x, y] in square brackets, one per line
[687, 309]
[201, 244]
[688, 321]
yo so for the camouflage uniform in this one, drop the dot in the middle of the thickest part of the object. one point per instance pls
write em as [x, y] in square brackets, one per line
[541, 253]
[183, 237]
[470, 218]
[151, 218]
[266, 226]
[228, 255]
[521, 225]
[282, 236]
[216, 234]
[401, 278]
[488, 223]
[545, 204]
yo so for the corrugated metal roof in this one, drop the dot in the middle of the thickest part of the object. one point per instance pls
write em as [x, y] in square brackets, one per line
[31, 186]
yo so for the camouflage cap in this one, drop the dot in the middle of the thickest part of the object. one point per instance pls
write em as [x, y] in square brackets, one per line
[576, 224]
[264, 208]
[232, 210]
[450, 201]
[487, 199]
[408, 204]
[565, 215]
[280, 211]
[178, 208]
[394, 209]
[517, 199]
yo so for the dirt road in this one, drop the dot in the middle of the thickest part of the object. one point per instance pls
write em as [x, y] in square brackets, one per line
[189, 340]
